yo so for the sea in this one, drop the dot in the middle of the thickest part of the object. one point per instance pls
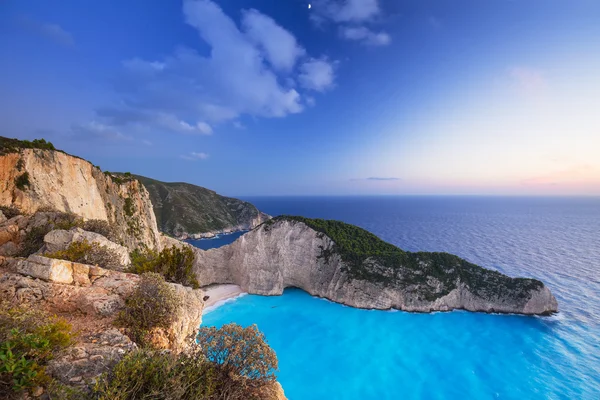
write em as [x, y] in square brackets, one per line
[330, 351]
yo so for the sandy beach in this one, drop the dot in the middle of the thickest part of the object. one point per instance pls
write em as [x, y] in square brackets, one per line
[218, 294]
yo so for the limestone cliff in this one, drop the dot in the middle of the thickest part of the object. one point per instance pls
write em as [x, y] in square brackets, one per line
[34, 179]
[289, 253]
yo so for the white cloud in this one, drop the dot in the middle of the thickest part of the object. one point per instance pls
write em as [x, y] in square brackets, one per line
[353, 15]
[316, 74]
[365, 35]
[258, 69]
[193, 156]
[147, 142]
[279, 45]
[346, 10]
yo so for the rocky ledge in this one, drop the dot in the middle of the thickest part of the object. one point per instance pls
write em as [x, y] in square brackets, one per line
[349, 265]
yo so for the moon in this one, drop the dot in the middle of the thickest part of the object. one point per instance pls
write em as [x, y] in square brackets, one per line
[309, 6]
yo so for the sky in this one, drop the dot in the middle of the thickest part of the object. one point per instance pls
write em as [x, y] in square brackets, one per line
[354, 97]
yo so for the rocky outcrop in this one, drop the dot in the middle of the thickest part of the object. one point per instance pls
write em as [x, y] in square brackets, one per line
[60, 239]
[288, 253]
[186, 210]
[90, 298]
[58, 181]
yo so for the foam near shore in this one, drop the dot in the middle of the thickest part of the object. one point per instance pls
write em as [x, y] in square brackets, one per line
[219, 295]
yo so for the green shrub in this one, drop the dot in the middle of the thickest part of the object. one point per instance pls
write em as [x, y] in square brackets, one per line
[242, 353]
[153, 304]
[85, 252]
[34, 238]
[128, 207]
[8, 145]
[102, 227]
[145, 374]
[173, 263]
[28, 340]
[10, 211]
[22, 181]
[232, 363]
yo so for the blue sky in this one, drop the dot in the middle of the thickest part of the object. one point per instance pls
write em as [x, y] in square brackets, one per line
[272, 97]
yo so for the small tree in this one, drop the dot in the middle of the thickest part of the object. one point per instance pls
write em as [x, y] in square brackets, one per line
[246, 362]
[153, 304]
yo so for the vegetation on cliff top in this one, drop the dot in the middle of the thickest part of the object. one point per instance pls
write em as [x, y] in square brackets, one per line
[182, 207]
[8, 145]
[369, 258]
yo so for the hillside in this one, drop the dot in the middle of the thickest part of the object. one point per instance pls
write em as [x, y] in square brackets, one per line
[183, 209]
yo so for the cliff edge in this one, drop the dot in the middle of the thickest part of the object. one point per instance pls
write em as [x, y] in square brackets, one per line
[35, 179]
[349, 265]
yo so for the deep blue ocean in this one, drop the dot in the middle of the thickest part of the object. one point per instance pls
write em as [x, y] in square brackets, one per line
[329, 351]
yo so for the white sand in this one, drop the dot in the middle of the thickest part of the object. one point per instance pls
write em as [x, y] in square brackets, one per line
[219, 294]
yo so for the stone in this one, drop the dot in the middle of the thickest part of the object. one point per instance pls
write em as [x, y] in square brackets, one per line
[81, 274]
[38, 391]
[60, 239]
[48, 269]
[2, 217]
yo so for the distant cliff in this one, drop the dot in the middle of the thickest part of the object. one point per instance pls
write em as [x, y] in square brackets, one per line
[349, 265]
[183, 210]
[36, 177]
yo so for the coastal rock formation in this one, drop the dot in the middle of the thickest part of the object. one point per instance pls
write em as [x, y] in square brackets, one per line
[38, 179]
[186, 210]
[90, 298]
[287, 252]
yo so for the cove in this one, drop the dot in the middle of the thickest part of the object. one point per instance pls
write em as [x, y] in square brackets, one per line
[330, 351]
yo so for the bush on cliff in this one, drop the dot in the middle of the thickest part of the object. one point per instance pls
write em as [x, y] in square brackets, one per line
[28, 340]
[34, 238]
[85, 252]
[102, 227]
[22, 181]
[245, 363]
[174, 264]
[231, 363]
[8, 145]
[153, 304]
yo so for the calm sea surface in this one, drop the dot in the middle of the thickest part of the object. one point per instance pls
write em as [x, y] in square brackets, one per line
[329, 351]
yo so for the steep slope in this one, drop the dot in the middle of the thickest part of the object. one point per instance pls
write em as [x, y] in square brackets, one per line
[33, 179]
[183, 209]
[349, 265]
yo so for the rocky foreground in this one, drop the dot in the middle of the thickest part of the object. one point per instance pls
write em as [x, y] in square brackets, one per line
[288, 252]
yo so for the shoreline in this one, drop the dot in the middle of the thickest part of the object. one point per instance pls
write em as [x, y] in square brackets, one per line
[220, 294]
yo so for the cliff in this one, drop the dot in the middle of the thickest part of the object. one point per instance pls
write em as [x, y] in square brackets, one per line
[35, 179]
[362, 271]
[184, 210]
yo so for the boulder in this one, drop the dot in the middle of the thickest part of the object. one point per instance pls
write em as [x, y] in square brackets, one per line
[47, 269]
[60, 239]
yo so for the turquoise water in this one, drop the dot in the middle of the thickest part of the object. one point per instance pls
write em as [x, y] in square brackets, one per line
[329, 351]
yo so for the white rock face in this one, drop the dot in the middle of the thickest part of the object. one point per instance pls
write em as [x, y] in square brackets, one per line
[65, 183]
[289, 254]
